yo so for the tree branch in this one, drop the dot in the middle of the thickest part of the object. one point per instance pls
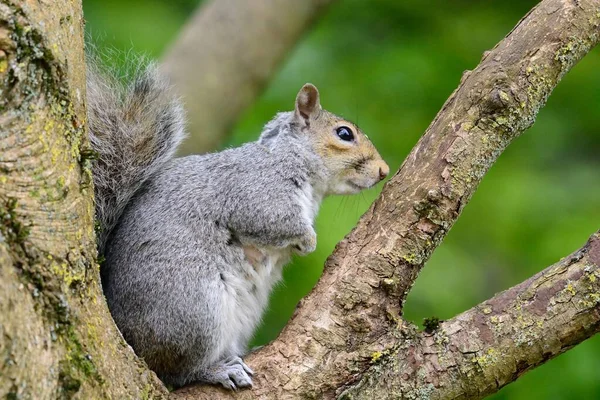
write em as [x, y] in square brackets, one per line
[478, 352]
[225, 56]
[352, 317]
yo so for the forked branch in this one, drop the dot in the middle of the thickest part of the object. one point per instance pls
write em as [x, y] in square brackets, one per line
[479, 351]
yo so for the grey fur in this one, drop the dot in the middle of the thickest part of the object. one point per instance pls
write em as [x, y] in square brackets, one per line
[193, 246]
[135, 128]
[176, 276]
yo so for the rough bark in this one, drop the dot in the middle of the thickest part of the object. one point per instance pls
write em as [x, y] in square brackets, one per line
[57, 338]
[342, 335]
[220, 62]
[476, 353]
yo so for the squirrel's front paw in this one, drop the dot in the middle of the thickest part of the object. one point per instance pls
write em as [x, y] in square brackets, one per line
[307, 243]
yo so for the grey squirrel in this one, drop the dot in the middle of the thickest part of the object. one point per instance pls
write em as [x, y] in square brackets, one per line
[194, 245]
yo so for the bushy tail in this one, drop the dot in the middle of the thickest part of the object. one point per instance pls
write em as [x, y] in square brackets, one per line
[135, 129]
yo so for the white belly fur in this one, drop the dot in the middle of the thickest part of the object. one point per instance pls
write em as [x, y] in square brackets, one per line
[247, 294]
[246, 297]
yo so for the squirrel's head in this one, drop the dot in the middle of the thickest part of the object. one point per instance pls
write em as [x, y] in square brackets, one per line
[352, 161]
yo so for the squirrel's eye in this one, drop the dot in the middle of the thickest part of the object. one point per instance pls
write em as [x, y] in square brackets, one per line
[345, 133]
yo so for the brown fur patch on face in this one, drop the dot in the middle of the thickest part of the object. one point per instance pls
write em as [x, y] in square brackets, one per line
[346, 158]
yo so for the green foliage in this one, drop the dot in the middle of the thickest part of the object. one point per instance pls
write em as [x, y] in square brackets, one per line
[389, 65]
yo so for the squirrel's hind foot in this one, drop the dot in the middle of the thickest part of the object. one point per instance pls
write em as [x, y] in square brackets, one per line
[232, 374]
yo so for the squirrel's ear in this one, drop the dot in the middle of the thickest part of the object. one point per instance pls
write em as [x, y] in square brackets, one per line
[307, 103]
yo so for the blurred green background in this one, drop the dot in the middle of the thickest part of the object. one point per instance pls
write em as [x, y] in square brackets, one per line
[389, 65]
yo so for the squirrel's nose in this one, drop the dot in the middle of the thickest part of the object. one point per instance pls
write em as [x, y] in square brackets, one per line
[383, 172]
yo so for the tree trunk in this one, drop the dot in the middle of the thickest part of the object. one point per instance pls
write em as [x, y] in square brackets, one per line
[347, 339]
[57, 338]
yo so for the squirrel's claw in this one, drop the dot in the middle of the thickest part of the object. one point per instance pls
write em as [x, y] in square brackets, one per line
[238, 361]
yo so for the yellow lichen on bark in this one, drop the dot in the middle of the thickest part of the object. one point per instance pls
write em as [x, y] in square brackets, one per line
[56, 335]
